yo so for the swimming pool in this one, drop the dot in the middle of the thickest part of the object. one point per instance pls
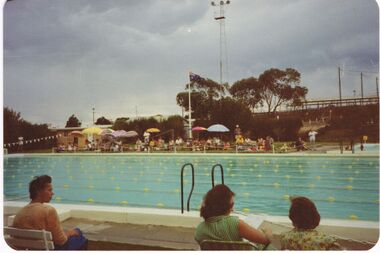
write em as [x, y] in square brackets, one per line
[343, 187]
[368, 147]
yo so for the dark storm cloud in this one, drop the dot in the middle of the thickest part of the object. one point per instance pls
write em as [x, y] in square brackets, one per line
[67, 56]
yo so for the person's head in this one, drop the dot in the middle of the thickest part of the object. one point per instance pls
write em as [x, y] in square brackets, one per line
[303, 213]
[41, 189]
[217, 201]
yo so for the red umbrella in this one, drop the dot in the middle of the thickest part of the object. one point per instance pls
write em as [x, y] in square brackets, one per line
[198, 128]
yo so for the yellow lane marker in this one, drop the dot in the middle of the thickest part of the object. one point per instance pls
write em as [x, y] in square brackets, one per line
[331, 199]
[353, 217]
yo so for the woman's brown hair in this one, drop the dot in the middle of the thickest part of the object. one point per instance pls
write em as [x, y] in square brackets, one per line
[217, 201]
[304, 213]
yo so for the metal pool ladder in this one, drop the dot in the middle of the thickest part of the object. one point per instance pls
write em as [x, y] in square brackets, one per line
[193, 182]
[213, 171]
[192, 186]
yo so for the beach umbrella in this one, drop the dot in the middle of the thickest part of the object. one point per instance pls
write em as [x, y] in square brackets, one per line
[131, 134]
[218, 128]
[92, 130]
[152, 130]
[198, 128]
[76, 134]
[106, 132]
[119, 133]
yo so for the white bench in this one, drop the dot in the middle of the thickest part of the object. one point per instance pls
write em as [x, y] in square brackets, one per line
[28, 239]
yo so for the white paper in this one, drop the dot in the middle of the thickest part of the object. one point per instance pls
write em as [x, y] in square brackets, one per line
[254, 220]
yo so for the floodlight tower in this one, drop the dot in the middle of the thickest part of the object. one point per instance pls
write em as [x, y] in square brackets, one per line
[219, 17]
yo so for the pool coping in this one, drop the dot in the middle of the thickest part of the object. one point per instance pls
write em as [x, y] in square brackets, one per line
[301, 154]
[160, 216]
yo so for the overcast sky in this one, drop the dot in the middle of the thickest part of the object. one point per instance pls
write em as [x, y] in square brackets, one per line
[65, 57]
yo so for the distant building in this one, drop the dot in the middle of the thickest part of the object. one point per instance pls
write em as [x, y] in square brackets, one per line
[65, 138]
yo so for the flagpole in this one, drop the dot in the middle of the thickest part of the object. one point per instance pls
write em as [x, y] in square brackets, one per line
[190, 132]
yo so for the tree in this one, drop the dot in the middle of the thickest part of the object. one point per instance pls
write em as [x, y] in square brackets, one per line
[247, 92]
[12, 125]
[73, 122]
[15, 126]
[140, 125]
[120, 124]
[277, 87]
[174, 123]
[204, 93]
[103, 121]
[230, 113]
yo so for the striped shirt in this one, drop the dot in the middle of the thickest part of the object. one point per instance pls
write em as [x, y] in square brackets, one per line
[221, 228]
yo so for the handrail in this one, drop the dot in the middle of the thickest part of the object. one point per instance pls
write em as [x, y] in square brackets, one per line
[192, 186]
[212, 173]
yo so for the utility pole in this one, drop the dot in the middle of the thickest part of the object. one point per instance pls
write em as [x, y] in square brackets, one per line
[190, 130]
[222, 36]
[93, 115]
[340, 88]
[377, 87]
[361, 87]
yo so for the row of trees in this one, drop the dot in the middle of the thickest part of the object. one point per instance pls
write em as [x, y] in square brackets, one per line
[211, 103]
[173, 125]
[215, 103]
[15, 126]
[73, 121]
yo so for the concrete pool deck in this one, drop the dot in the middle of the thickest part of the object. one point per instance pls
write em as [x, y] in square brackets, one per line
[127, 228]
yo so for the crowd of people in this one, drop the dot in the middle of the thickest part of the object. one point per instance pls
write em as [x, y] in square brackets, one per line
[216, 210]
[220, 142]
[179, 144]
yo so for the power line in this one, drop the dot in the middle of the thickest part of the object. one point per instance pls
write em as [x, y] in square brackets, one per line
[359, 71]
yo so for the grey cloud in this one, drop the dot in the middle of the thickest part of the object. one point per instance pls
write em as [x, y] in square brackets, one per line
[116, 55]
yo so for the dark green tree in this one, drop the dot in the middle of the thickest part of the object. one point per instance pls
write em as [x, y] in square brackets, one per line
[140, 125]
[204, 93]
[248, 92]
[12, 125]
[174, 123]
[103, 121]
[277, 87]
[15, 126]
[121, 124]
[73, 122]
[230, 113]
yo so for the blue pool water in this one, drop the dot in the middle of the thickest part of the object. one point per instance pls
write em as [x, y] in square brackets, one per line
[368, 147]
[343, 187]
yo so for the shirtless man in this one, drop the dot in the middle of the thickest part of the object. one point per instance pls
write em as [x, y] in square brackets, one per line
[37, 215]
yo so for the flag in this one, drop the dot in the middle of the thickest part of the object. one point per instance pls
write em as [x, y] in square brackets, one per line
[194, 77]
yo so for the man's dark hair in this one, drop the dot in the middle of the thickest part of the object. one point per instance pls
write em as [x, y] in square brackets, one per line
[217, 201]
[37, 184]
[303, 213]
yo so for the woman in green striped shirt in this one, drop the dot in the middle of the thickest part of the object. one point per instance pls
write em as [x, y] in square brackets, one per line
[219, 225]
